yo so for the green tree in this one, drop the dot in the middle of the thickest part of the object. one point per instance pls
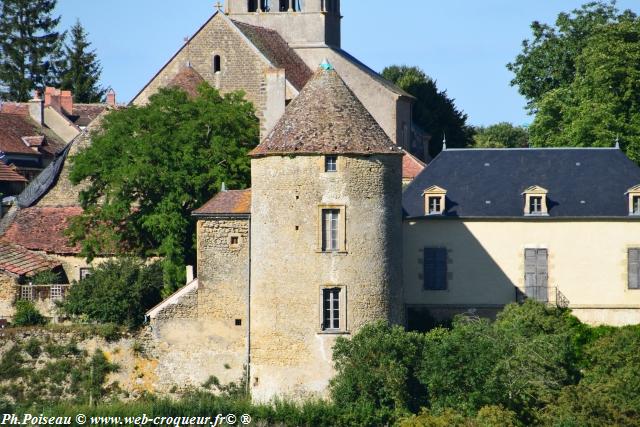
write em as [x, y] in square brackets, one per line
[433, 111]
[501, 135]
[82, 70]
[602, 103]
[548, 62]
[30, 47]
[149, 167]
[376, 373]
[118, 291]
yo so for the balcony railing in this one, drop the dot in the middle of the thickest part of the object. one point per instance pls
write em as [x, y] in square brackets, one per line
[43, 292]
[550, 295]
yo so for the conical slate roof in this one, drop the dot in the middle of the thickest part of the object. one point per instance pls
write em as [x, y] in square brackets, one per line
[326, 118]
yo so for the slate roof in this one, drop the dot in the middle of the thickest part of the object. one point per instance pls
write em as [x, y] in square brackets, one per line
[188, 80]
[9, 174]
[227, 203]
[278, 52]
[83, 114]
[326, 118]
[485, 183]
[21, 262]
[411, 166]
[42, 229]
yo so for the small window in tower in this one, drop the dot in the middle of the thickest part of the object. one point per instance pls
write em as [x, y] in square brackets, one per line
[252, 6]
[234, 241]
[217, 64]
[331, 309]
[331, 163]
[535, 205]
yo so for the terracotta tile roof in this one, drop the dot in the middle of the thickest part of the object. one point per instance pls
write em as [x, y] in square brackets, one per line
[326, 118]
[227, 202]
[9, 174]
[188, 80]
[43, 229]
[411, 166]
[83, 114]
[14, 128]
[19, 261]
[276, 49]
[20, 108]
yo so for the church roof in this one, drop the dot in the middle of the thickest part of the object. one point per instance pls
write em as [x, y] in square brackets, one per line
[488, 183]
[233, 202]
[278, 52]
[326, 118]
[188, 80]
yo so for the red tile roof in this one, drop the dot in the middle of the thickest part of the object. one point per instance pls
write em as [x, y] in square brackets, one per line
[9, 174]
[21, 108]
[411, 166]
[18, 260]
[42, 229]
[188, 80]
[278, 52]
[227, 202]
[15, 127]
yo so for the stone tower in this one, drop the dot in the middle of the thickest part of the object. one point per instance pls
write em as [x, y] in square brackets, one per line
[302, 23]
[326, 238]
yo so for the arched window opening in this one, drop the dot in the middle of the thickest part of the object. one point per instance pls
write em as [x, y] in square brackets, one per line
[217, 65]
[253, 6]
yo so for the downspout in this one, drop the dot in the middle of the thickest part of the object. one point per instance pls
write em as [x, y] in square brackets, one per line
[248, 361]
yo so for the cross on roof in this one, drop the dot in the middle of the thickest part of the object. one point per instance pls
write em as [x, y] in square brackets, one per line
[218, 6]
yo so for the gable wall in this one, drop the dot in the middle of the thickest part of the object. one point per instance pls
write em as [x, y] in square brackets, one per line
[243, 68]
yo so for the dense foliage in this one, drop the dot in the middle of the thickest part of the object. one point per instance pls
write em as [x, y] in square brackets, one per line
[30, 47]
[81, 71]
[118, 291]
[27, 314]
[150, 167]
[581, 78]
[501, 135]
[433, 110]
[533, 365]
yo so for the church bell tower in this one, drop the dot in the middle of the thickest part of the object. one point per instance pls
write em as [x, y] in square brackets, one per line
[302, 23]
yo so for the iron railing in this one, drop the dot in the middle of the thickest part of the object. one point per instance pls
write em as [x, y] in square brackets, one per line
[550, 295]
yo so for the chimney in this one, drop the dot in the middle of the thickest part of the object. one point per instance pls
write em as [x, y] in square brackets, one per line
[66, 101]
[111, 98]
[36, 108]
[52, 98]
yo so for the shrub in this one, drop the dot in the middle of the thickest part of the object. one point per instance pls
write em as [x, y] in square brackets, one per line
[33, 348]
[376, 373]
[27, 314]
[118, 291]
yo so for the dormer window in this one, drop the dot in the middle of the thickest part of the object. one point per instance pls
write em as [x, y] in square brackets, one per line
[435, 198]
[634, 200]
[535, 201]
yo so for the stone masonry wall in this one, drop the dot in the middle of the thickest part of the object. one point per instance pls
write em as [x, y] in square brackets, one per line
[8, 291]
[243, 68]
[290, 353]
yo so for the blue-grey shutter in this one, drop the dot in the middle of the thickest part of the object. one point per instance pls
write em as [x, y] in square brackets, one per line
[435, 269]
[634, 268]
[536, 274]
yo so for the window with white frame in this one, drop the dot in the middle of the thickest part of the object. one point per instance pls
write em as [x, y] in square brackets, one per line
[330, 163]
[535, 201]
[635, 201]
[535, 205]
[85, 272]
[330, 230]
[331, 309]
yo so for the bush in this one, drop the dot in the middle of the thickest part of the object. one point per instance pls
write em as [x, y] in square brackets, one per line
[118, 291]
[376, 373]
[27, 314]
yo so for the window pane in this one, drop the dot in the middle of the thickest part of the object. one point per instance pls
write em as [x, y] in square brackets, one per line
[435, 269]
[330, 163]
[330, 229]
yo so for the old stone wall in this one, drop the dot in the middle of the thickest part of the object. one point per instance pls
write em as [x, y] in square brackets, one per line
[8, 289]
[291, 354]
[243, 67]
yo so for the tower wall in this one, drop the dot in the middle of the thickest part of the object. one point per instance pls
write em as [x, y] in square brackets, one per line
[291, 354]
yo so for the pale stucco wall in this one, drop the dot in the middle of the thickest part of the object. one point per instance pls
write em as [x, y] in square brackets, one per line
[290, 354]
[587, 263]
